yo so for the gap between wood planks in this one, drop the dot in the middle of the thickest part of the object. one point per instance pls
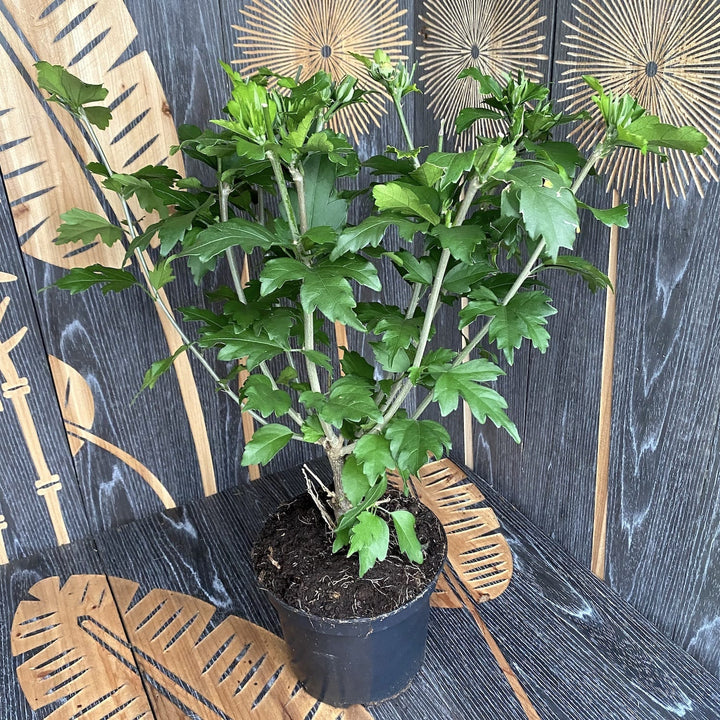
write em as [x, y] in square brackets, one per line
[602, 468]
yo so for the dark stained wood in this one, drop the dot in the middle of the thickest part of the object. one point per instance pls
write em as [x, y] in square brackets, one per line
[27, 521]
[664, 480]
[664, 474]
[662, 552]
[202, 549]
[579, 649]
[16, 580]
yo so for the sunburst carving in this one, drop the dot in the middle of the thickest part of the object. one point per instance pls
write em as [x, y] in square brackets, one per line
[496, 36]
[320, 35]
[666, 53]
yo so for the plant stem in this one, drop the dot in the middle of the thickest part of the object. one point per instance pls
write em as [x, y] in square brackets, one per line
[284, 196]
[223, 194]
[308, 317]
[414, 300]
[299, 180]
[402, 390]
[598, 152]
[145, 270]
[404, 126]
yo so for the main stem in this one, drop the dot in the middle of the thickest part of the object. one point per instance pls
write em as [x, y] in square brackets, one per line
[433, 301]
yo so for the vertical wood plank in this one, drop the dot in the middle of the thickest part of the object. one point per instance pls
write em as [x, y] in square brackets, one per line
[597, 562]
[40, 501]
[664, 511]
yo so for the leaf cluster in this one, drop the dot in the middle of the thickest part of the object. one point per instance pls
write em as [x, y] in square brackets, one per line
[483, 225]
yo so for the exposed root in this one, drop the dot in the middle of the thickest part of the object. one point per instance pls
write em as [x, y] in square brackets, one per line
[310, 476]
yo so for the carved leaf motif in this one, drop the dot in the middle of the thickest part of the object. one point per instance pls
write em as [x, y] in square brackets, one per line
[46, 177]
[43, 149]
[237, 670]
[478, 555]
[61, 627]
[76, 399]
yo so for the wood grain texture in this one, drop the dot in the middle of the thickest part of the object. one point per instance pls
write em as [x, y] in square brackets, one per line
[664, 487]
[35, 456]
[16, 580]
[664, 515]
[202, 549]
[663, 518]
[90, 656]
[602, 472]
[578, 648]
[93, 42]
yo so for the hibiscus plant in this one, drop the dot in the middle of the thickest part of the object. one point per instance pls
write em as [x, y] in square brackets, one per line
[482, 224]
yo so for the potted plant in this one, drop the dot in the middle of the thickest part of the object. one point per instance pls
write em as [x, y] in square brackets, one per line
[483, 224]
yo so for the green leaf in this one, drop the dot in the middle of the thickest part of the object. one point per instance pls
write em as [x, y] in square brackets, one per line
[370, 539]
[409, 200]
[353, 363]
[322, 205]
[279, 271]
[488, 84]
[427, 174]
[373, 453]
[238, 343]
[563, 154]
[573, 265]
[398, 334]
[321, 235]
[350, 398]
[547, 206]
[617, 215]
[98, 116]
[412, 440]
[461, 279]
[110, 279]
[524, 316]
[342, 531]
[134, 184]
[162, 273]
[465, 381]
[383, 165]
[422, 271]
[648, 133]
[311, 429]
[326, 288]
[461, 240]
[159, 368]
[369, 232]
[404, 523]
[172, 230]
[266, 443]
[455, 164]
[66, 88]
[260, 396]
[318, 358]
[234, 232]
[467, 116]
[354, 482]
[83, 226]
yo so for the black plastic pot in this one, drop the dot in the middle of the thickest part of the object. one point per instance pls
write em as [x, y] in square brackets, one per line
[361, 660]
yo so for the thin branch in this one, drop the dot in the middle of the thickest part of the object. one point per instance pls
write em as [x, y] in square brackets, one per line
[145, 271]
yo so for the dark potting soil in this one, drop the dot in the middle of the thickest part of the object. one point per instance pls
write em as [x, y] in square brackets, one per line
[293, 559]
